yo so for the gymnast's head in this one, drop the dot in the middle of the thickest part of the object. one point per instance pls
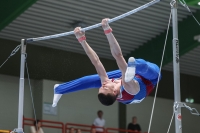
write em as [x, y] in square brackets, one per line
[108, 93]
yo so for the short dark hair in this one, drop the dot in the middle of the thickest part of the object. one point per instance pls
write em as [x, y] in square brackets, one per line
[134, 117]
[99, 111]
[107, 99]
[36, 122]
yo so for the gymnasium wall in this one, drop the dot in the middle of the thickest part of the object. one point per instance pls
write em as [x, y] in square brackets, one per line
[81, 107]
[9, 97]
[162, 116]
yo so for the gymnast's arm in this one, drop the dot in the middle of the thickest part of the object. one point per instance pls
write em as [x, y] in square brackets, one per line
[91, 81]
[114, 47]
[92, 55]
[131, 86]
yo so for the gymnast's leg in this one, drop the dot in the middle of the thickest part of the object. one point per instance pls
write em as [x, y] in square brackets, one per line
[87, 82]
[143, 68]
[147, 69]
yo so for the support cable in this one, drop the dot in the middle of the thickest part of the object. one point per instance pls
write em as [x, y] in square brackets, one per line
[11, 54]
[31, 92]
[177, 105]
[193, 111]
[170, 122]
[183, 3]
[159, 73]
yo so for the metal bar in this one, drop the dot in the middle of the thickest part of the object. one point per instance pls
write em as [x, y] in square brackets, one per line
[23, 56]
[21, 87]
[176, 66]
[60, 126]
[94, 26]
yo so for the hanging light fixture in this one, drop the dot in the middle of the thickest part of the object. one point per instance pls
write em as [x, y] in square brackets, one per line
[189, 100]
[197, 37]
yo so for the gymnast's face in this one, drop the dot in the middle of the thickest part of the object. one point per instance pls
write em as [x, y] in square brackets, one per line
[108, 87]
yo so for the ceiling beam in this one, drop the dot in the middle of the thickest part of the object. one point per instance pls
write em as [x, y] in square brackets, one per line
[152, 50]
[11, 9]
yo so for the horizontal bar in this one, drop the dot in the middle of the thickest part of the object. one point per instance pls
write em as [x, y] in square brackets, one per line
[29, 124]
[52, 126]
[54, 122]
[29, 119]
[120, 130]
[43, 121]
[74, 124]
[93, 26]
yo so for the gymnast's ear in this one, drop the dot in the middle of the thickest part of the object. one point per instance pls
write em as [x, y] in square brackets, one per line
[115, 92]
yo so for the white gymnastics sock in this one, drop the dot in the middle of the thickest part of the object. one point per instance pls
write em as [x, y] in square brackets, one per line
[56, 97]
[130, 71]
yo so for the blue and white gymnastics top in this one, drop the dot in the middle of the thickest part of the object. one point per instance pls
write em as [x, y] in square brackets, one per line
[146, 86]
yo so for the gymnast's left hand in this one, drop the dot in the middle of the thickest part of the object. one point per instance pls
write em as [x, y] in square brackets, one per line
[78, 33]
[105, 24]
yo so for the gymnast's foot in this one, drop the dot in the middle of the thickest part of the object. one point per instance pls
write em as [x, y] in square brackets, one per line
[56, 97]
[130, 71]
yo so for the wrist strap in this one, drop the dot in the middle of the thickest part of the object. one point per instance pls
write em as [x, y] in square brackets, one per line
[83, 38]
[108, 31]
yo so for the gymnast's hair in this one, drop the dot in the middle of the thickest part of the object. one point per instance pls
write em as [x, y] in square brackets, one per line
[107, 99]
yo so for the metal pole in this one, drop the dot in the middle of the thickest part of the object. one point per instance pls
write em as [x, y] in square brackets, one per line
[176, 67]
[21, 88]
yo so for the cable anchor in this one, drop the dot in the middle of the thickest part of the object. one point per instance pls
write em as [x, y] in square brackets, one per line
[177, 105]
[172, 3]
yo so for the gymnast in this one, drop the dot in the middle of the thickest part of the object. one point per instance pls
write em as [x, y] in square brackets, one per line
[130, 84]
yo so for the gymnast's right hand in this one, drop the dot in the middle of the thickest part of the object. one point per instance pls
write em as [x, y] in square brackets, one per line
[105, 24]
[80, 35]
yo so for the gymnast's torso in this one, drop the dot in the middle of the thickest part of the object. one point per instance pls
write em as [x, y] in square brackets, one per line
[145, 87]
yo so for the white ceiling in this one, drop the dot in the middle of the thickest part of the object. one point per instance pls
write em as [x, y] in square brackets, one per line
[52, 17]
[189, 63]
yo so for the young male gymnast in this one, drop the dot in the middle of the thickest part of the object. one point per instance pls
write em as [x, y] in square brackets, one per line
[130, 84]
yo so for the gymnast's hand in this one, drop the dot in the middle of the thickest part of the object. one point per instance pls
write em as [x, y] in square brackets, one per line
[78, 33]
[105, 24]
